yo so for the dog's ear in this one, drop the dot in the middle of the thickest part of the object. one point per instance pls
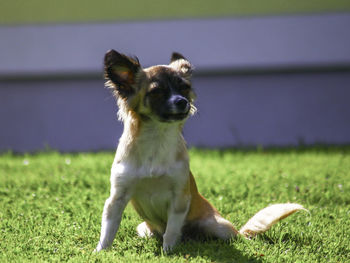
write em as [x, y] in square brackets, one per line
[181, 64]
[176, 56]
[121, 71]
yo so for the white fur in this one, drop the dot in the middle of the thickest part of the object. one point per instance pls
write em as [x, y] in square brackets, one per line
[268, 216]
[143, 230]
[139, 167]
[151, 168]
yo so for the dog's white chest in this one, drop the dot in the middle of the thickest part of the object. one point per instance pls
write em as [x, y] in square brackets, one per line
[154, 153]
[152, 188]
[152, 171]
[152, 197]
[129, 173]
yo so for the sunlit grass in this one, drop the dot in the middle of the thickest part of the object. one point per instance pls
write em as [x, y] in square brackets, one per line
[51, 205]
[73, 11]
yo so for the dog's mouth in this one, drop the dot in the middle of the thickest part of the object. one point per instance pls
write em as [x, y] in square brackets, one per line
[174, 116]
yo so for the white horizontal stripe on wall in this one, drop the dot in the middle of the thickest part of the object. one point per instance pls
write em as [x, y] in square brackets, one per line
[225, 43]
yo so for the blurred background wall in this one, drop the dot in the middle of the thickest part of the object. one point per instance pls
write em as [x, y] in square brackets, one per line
[271, 73]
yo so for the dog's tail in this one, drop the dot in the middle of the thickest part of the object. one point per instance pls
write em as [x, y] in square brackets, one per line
[267, 217]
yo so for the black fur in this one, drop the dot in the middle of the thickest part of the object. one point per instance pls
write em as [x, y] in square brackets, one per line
[121, 70]
[176, 56]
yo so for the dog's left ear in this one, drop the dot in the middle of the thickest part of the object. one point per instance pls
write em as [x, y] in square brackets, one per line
[121, 72]
[181, 64]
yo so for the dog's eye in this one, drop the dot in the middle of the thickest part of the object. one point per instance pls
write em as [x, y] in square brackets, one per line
[184, 87]
[155, 91]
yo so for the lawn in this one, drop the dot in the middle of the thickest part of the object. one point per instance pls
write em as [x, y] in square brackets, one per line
[51, 205]
[77, 11]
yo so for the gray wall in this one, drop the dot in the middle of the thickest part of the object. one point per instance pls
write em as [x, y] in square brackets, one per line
[234, 110]
[272, 109]
[229, 43]
[269, 80]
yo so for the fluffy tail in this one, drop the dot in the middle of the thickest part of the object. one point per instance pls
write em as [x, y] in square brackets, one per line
[267, 217]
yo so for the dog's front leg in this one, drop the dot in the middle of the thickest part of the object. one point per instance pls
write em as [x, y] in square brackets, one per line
[112, 214]
[176, 217]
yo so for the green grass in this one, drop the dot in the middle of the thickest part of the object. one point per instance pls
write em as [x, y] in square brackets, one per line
[51, 205]
[77, 11]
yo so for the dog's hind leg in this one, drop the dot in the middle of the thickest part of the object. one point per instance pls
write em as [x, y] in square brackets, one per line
[143, 230]
[216, 226]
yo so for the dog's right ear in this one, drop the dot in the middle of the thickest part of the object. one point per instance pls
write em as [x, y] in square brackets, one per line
[181, 64]
[121, 71]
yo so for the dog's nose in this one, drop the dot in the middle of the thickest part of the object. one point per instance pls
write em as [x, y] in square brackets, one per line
[181, 103]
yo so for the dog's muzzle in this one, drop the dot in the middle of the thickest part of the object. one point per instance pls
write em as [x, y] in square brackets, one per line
[178, 110]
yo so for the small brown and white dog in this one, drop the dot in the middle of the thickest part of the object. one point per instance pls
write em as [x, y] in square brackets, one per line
[151, 165]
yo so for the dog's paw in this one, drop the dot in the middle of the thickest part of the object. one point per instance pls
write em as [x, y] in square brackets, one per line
[167, 248]
[98, 248]
[169, 243]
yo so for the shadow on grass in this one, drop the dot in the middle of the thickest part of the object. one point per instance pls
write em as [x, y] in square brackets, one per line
[208, 249]
[213, 251]
[297, 239]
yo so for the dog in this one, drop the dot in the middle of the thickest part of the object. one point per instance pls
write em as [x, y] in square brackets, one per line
[151, 166]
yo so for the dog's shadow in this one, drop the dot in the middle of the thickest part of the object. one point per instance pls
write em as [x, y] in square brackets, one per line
[211, 250]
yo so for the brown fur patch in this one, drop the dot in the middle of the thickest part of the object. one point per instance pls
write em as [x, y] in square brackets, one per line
[200, 207]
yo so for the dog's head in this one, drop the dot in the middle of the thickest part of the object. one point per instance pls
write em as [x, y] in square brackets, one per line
[162, 93]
